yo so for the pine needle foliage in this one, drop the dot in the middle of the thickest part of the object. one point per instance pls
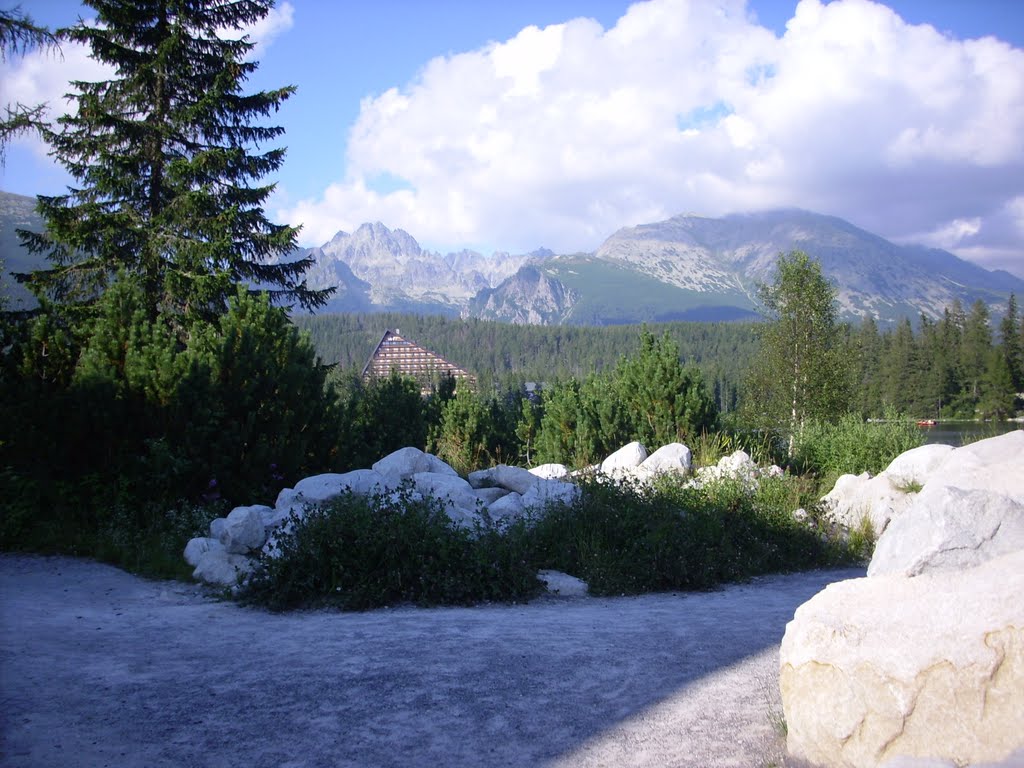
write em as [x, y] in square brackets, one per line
[167, 156]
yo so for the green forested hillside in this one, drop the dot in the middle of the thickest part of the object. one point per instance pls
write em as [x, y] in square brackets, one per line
[501, 352]
[964, 366]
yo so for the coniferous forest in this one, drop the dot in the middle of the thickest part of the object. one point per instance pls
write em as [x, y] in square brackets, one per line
[962, 366]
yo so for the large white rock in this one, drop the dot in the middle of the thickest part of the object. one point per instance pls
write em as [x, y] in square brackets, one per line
[488, 496]
[550, 492]
[562, 584]
[458, 495]
[628, 457]
[550, 471]
[916, 465]
[949, 528]
[673, 458]
[995, 464]
[243, 529]
[197, 547]
[331, 485]
[507, 508]
[406, 462]
[931, 666]
[738, 467]
[218, 566]
[511, 478]
[856, 497]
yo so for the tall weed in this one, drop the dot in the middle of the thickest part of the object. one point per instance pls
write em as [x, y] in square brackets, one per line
[852, 445]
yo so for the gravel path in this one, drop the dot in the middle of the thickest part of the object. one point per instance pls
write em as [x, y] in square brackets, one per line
[100, 668]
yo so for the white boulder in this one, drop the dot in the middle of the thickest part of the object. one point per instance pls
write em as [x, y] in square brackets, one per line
[488, 496]
[406, 462]
[628, 457]
[458, 496]
[931, 666]
[511, 478]
[995, 465]
[856, 497]
[562, 584]
[949, 528]
[738, 467]
[218, 566]
[197, 547]
[329, 486]
[674, 458]
[550, 471]
[550, 492]
[916, 465]
[507, 508]
[243, 529]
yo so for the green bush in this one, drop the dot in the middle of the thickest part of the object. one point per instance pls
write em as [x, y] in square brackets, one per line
[852, 445]
[117, 412]
[359, 552]
[624, 539]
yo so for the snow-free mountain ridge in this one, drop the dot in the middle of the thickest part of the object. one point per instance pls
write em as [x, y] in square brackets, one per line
[685, 268]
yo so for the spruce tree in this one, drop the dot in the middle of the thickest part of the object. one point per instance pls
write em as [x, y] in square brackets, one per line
[975, 350]
[19, 35]
[167, 156]
[1011, 344]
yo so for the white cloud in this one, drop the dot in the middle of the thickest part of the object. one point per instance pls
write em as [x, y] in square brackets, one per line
[267, 29]
[560, 135]
[43, 76]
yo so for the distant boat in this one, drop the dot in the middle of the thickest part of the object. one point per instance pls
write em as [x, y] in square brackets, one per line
[926, 422]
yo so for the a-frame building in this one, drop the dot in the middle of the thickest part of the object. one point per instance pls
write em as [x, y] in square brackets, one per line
[396, 353]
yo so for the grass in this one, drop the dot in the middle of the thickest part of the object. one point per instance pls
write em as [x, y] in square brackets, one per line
[911, 486]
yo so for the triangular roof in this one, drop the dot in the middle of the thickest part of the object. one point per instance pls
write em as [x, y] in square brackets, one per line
[395, 352]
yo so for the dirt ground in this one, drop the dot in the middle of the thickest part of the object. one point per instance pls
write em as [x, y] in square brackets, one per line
[100, 668]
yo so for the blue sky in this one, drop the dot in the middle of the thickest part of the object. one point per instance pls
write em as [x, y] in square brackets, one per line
[511, 126]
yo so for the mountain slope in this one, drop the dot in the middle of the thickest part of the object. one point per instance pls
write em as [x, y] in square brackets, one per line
[731, 255]
[17, 212]
[377, 268]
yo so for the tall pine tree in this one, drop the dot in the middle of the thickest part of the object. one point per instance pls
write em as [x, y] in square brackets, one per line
[1011, 344]
[166, 156]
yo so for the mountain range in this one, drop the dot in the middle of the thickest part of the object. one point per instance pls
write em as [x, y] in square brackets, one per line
[685, 268]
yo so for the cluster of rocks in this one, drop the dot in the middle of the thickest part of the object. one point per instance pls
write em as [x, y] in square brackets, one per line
[494, 496]
[921, 662]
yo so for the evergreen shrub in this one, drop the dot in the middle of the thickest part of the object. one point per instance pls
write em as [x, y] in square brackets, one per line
[120, 422]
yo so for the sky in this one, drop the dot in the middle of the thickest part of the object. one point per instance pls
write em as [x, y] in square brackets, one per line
[490, 125]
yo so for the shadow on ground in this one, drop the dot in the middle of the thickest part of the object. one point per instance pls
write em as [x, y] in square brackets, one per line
[100, 668]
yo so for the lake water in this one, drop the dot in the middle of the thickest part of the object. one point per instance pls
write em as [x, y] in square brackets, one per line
[956, 433]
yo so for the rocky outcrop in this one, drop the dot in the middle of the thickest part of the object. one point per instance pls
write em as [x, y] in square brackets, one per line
[924, 658]
[530, 296]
